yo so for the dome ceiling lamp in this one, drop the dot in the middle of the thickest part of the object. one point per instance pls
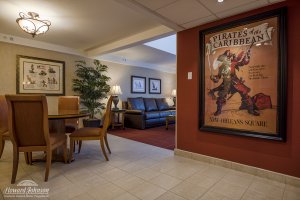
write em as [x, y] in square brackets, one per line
[32, 24]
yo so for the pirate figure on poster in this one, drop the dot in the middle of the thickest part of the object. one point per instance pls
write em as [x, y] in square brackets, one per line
[227, 64]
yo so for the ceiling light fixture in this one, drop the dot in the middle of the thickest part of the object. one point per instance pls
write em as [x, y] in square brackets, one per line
[220, 1]
[32, 24]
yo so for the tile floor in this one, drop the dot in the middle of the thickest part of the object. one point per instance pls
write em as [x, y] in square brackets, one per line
[140, 171]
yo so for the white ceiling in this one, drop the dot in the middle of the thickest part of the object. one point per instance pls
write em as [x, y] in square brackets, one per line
[97, 27]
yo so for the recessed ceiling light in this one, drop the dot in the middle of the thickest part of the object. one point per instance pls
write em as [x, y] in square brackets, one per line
[220, 1]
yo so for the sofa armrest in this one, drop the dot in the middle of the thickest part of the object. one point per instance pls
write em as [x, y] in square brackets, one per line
[136, 120]
[134, 112]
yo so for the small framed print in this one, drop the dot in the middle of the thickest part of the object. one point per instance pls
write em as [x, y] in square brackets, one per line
[40, 76]
[243, 77]
[154, 86]
[138, 84]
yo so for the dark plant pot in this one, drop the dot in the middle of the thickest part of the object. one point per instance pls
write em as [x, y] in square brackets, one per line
[91, 122]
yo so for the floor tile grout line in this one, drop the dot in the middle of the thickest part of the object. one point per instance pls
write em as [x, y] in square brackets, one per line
[210, 189]
[284, 191]
[248, 187]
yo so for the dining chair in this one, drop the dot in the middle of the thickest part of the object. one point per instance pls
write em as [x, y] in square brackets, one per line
[4, 135]
[90, 133]
[29, 130]
[70, 105]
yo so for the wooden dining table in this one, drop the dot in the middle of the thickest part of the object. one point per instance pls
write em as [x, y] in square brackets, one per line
[57, 125]
[57, 120]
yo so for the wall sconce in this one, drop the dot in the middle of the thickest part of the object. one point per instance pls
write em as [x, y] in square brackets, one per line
[115, 91]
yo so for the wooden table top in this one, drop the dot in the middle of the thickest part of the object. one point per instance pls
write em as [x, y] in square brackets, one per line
[56, 115]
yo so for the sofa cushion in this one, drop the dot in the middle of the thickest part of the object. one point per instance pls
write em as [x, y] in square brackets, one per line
[162, 104]
[152, 115]
[173, 112]
[150, 104]
[165, 113]
[136, 103]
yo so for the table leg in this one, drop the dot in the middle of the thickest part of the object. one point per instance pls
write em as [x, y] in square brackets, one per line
[167, 123]
[123, 124]
[57, 126]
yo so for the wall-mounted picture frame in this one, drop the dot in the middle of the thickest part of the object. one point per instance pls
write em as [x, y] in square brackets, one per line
[243, 77]
[154, 86]
[40, 76]
[138, 84]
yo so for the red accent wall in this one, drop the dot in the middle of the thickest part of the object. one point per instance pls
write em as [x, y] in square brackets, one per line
[282, 157]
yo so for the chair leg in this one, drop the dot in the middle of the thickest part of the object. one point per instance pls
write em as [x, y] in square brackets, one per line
[2, 144]
[30, 158]
[48, 164]
[106, 142]
[15, 165]
[65, 153]
[79, 145]
[103, 149]
[26, 158]
[71, 149]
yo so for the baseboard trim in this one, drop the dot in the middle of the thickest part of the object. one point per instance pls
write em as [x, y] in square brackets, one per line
[275, 176]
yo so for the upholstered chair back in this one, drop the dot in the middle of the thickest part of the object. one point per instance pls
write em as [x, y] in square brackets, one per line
[28, 120]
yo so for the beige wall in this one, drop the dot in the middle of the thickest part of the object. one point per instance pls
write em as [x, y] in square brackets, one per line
[120, 74]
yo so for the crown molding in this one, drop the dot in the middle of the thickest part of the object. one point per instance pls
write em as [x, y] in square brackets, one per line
[41, 45]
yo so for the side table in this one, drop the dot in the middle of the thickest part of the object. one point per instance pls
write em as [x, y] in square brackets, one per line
[115, 118]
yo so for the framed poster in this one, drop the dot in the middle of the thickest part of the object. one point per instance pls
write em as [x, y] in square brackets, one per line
[40, 76]
[154, 86]
[138, 84]
[243, 77]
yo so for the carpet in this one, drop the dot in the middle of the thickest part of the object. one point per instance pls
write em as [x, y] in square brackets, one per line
[157, 136]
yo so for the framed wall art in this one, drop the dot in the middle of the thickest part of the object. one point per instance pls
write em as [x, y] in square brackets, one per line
[40, 76]
[243, 77]
[138, 84]
[154, 86]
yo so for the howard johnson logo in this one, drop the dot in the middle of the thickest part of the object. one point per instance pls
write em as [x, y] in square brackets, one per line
[26, 189]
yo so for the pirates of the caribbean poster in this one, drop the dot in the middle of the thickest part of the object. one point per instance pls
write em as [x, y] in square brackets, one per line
[243, 77]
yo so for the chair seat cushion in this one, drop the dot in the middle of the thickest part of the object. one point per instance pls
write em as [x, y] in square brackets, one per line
[56, 138]
[86, 132]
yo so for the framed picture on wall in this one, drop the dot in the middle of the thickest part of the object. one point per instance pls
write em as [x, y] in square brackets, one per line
[138, 84]
[154, 86]
[40, 76]
[243, 77]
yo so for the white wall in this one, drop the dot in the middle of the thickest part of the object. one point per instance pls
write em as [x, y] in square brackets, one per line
[120, 74]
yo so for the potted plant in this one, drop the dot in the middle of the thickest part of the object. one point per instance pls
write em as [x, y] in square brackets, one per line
[91, 85]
